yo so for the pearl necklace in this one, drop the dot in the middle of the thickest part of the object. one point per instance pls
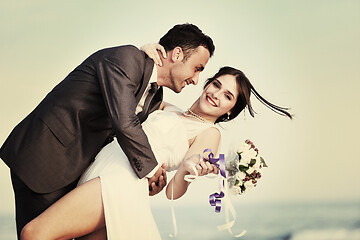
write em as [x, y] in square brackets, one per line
[196, 116]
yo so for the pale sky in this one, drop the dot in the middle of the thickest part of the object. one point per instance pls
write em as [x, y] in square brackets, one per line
[300, 54]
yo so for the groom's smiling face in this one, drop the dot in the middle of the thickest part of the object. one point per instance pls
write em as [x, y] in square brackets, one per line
[186, 71]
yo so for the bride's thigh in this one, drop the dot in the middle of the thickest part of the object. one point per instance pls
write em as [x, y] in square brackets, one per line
[98, 235]
[78, 213]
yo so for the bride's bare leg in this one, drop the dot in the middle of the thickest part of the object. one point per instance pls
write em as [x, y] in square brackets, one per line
[78, 213]
[98, 235]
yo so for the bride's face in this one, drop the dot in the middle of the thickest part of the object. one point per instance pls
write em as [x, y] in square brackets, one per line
[220, 96]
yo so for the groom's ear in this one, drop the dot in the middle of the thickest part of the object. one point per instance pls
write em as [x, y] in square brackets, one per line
[177, 54]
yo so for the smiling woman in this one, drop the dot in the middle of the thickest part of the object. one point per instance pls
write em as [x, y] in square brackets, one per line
[218, 97]
[231, 88]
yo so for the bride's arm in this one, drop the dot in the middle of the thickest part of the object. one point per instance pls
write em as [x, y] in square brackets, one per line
[151, 49]
[209, 138]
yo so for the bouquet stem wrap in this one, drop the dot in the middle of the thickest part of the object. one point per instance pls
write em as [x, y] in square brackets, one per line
[215, 198]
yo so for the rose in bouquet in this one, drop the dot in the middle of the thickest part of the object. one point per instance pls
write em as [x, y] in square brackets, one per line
[244, 166]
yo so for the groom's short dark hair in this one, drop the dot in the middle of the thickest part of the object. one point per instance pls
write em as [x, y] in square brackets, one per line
[188, 37]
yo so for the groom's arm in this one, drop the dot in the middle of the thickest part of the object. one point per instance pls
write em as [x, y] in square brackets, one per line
[120, 73]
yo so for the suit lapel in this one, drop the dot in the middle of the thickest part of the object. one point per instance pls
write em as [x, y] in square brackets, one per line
[148, 69]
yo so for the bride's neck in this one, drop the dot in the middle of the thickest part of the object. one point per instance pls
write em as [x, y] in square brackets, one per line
[195, 108]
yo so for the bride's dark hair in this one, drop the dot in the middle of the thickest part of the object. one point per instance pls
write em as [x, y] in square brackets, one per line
[245, 89]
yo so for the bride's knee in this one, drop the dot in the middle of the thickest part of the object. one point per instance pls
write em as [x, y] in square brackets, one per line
[32, 231]
[27, 232]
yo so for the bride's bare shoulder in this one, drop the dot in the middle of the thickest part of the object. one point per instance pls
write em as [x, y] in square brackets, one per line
[165, 106]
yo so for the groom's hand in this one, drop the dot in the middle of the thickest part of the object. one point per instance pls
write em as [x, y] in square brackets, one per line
[158, 181]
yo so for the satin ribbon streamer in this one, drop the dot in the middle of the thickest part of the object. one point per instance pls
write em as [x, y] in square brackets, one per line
[215, 198]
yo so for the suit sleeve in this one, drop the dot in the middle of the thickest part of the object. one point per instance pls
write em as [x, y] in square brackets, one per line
[119, 79]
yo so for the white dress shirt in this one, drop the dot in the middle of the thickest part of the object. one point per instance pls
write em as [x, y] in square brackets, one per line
[153, 78]
[140, 105]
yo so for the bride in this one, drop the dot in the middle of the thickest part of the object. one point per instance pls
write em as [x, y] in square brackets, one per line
[111, 202]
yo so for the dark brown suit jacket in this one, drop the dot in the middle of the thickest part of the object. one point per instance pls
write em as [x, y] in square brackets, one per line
[58, 140]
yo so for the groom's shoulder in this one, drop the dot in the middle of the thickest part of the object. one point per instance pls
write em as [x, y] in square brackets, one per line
[129, 50]
[125, 54]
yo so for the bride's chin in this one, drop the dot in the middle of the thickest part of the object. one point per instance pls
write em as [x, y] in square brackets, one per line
[201, 110]
[208, 109]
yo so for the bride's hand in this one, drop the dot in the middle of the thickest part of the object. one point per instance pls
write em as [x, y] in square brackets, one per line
[158, 181]
[202, 166]
[151, 50]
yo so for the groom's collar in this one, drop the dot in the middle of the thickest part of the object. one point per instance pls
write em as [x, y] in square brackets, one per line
[153, 77]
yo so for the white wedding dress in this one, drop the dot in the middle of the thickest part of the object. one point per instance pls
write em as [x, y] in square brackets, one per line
[125, 196]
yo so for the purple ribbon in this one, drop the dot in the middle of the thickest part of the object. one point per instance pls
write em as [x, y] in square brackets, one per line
[215, 198]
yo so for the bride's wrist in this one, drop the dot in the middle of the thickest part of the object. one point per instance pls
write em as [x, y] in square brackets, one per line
[183, 170]
[181, 173]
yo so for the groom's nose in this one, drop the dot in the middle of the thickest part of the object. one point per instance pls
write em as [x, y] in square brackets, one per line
[195, 79]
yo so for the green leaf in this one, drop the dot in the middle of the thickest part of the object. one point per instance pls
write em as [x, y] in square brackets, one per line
[263, 162]
[243, 168]
[252, 162]
[237, 182]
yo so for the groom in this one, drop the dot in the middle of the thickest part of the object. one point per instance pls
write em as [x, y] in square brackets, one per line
[105, 96]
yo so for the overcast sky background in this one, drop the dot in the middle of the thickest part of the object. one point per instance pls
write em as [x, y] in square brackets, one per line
[300, 54]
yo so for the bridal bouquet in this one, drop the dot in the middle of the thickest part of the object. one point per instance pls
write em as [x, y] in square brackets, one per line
[243, 166]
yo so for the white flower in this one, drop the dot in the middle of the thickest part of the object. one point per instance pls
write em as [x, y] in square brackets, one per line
[250, 170]
[240, 176]
[251, 153]
[236, 190]
[248, 185]
[245, 160]
[247, 156]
